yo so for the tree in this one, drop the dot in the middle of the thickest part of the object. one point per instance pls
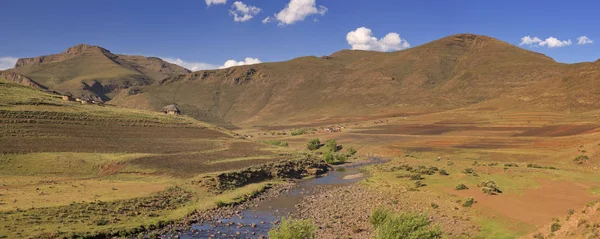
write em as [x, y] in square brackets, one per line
[314, 144]
[329, 158]
[331, 145]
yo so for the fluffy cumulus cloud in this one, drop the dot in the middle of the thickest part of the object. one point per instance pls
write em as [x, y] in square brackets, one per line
[247, 61]
[298, 10]
[7, 62]
[362, 39]
[193, 66]
[582, 40]
[215, 2]
[550, 42]
[242, 12]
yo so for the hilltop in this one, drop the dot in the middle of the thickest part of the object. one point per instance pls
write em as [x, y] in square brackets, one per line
[90, 70]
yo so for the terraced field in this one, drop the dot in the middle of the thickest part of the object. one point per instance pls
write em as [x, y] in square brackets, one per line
[73, 169]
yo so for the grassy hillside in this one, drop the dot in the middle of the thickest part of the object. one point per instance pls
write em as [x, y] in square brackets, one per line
[453, 72]
[91, 70]
[61, 162]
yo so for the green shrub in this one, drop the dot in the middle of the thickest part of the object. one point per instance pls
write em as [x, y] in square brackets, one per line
[293, 229]
[461, 186]
[406, 225]
[419, 184]
[539, 235]
[297, 132]
[470, 171]
[340, 158]
[555, 226]
[329, 158]
[416, 177]
[314, 144]
[468, 202]
[379, 215]
[351, 151]
[581, 159]
[443, 172]
[511, 165]
[332, 145]
[434, 205]
[276, 143]
[489, 187]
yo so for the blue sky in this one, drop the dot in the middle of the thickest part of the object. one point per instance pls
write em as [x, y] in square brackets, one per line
[203, 36]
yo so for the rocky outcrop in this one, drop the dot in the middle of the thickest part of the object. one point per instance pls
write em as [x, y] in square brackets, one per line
[287, 169]
[11, 75]
[67, 54]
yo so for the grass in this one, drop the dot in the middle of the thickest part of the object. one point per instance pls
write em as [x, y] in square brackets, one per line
[68, 168]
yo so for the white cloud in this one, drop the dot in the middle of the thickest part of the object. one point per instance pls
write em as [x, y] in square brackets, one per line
[193, 66]
[7, 62]
[362, 39]
[550, 42]
[582, 40]
[247, 61]
[215, 2]
[297, 10]
[242, 12]
[267, 20]
[196, 66]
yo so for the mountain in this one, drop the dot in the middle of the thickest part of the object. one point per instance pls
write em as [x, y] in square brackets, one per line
[92, 70]
[453, 72]
[463, 70]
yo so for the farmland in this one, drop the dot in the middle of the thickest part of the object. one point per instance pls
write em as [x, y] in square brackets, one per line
[73, 169]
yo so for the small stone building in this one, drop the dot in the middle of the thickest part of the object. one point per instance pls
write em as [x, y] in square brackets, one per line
[171, 110]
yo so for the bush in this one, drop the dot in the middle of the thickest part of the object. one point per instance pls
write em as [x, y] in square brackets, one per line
[297, 132]
[331, 145]
[406, 225]
[489, 187]
[434, 205]
[340, 158]
[314, 144]
[276, 143]
[419, 184]
[470, 171]
[461, 186]
[416, 177]
[378, 216]
[555, 226]
[351, 151]
[329, 158]
[468, 202]
[511, 165]
[443, 172]
[293, 229]
[581, 159]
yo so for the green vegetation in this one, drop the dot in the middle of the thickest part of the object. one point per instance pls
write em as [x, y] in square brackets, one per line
[276, 143]
[531, 165]
[297, 132]
[331, 145]
[314, 144]
[461, 186]
[470, 171]
[351, 151]
[293, 229]
[581, 159]
[489, 187]
[555, 226]
[389, 225]
[468, 202]
[443, 172]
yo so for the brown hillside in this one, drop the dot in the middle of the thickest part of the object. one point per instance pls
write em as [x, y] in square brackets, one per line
[92, 70]
[452, 72]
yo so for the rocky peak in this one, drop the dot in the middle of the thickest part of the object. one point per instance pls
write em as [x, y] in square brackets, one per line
[68, 53]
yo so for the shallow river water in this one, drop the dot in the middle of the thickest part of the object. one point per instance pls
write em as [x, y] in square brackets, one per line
[256, 221]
